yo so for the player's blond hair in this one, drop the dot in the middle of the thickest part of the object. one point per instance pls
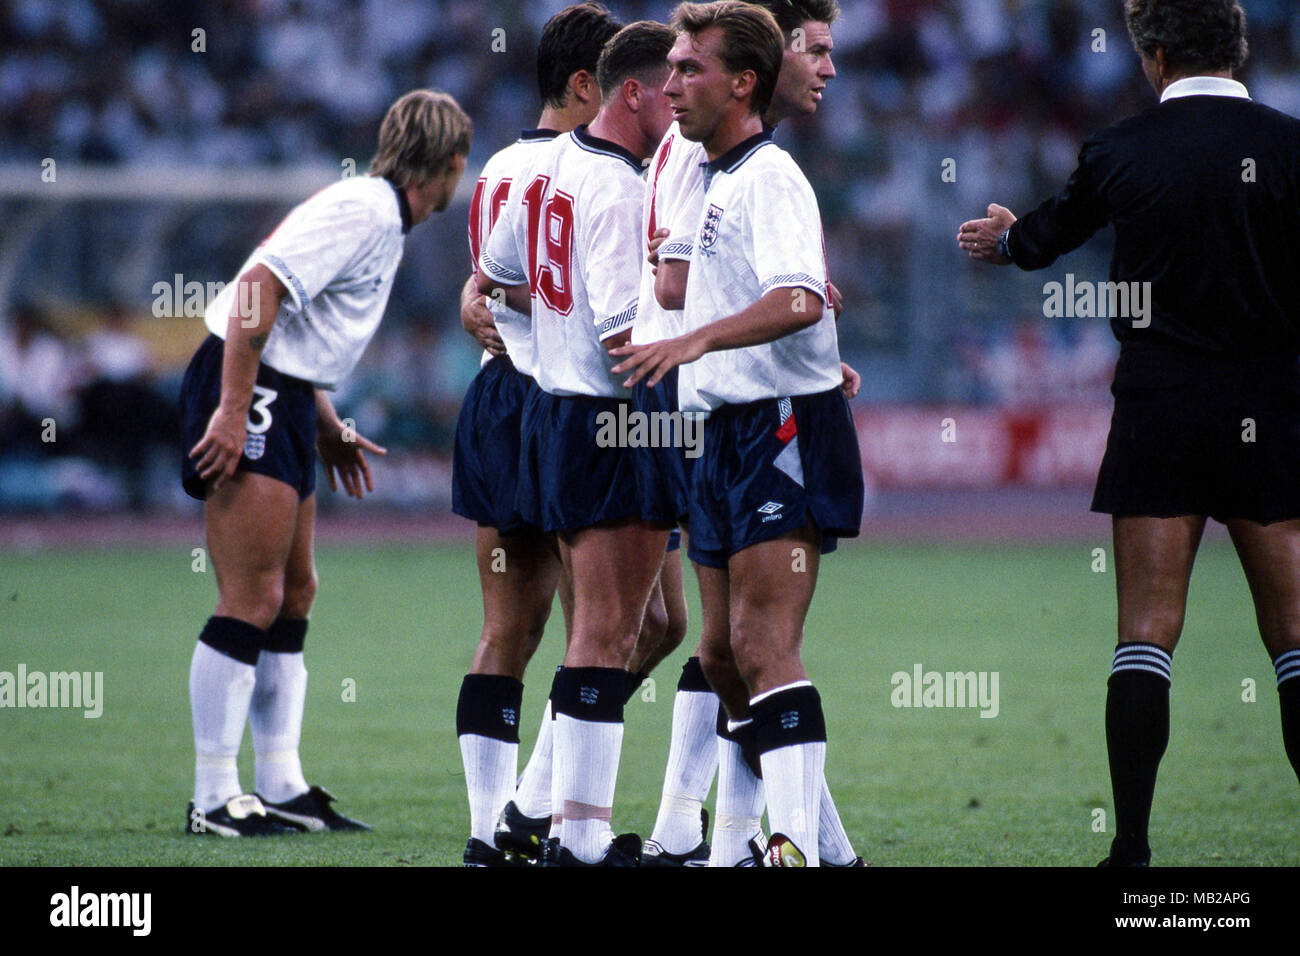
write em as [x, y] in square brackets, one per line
[420, 134]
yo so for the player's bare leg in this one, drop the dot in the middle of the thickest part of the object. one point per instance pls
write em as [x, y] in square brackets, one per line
[517, 576]
[250, 522]
[772, 585]
[594, 684]
[1270, 557]
[1153, 566]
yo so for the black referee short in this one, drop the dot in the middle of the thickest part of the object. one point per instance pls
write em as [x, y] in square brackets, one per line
[1203, 434]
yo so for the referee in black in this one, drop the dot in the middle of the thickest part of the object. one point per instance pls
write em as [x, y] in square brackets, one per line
[1203, 191]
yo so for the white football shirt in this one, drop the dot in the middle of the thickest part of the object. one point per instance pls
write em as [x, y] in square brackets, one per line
[760, 229]
[571, 229]
[337, 253]
[490, 195]
[673, 193]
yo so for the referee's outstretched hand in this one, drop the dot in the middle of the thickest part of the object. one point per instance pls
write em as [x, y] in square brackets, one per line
[978, 238]
[343, 451]
[222, 445]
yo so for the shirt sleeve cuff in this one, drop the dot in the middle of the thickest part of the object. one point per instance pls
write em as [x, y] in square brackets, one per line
[280, 268]
[617, 323]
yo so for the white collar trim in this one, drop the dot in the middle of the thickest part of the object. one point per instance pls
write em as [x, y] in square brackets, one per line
[1205, 86]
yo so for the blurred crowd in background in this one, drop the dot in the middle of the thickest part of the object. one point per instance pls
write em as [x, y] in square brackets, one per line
[1004, 89]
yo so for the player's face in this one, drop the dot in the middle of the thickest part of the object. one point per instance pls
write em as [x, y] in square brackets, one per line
[805, 70]
[699, 86]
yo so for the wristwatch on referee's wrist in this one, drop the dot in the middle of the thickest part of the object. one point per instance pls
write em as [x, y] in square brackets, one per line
[1004, 250]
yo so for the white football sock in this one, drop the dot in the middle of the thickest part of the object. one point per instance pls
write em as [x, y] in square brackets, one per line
[586, 766]
[490, 766]
[793, 779]
[833, 844]
[739, 805]
[275, 716]
[533, 792]
[220, 690]
[692, 759]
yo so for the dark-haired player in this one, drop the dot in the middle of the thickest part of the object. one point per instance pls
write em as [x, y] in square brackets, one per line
[519, 565]
[567, 247]
[256, 410]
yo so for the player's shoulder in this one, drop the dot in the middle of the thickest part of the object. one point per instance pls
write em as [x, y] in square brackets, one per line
[760, 166]
[518, 155]
[358, 199]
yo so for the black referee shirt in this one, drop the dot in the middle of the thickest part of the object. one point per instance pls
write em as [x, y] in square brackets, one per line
[1204, 195]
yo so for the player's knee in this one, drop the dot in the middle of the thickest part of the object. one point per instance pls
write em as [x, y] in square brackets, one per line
[299, 595]
[654, 625]
[717, 663]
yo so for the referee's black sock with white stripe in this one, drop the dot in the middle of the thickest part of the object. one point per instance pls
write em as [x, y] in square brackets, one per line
[1137, 733]
[1287, 665]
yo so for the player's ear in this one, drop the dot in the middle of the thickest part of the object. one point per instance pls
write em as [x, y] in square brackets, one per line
[583, 86]
[743, 84]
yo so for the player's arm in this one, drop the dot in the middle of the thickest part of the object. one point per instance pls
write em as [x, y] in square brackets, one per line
[476, 319]
[256, 303]
[343, 450]
[518, 297]
[500, 272]
[670, 283]
[781, 312]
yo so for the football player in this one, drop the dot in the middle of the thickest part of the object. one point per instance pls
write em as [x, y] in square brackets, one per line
[256, 410]
[566, 247]
[673, 203]
[780, 476]
[519, 565]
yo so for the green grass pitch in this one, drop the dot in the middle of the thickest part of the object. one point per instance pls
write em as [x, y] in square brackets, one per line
[914, 786]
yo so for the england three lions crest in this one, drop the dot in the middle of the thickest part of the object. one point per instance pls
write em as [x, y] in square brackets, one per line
[709, 232]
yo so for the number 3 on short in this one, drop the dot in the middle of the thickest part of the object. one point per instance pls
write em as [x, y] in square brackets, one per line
[259, 416]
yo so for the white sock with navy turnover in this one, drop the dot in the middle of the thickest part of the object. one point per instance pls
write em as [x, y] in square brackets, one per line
[275, 717]
[220, 690]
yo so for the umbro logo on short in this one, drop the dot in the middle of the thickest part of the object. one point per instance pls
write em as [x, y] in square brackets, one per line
[771, 508]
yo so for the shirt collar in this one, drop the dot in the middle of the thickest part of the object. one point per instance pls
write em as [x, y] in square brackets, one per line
[1204, 86]
[529, 135]
[403, 204]
[595, 144]
[732, 159]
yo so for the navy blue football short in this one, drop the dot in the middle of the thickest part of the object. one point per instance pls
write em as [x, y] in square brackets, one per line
[485, 463]
[281, 441]
[673, 442]
[568, 479]
[768, 468]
